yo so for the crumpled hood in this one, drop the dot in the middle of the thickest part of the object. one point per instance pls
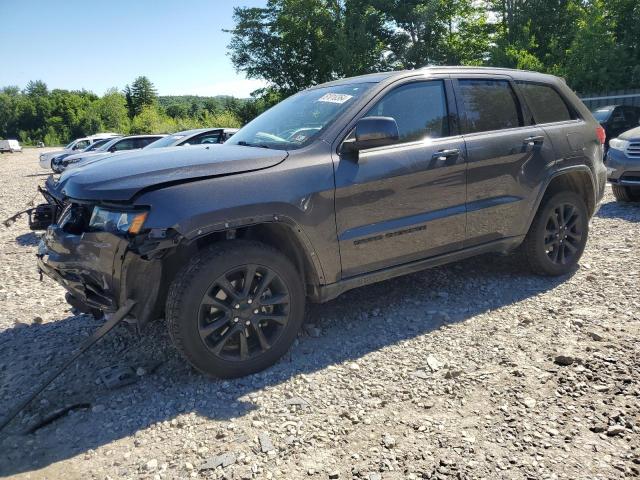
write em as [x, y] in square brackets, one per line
[120, 177]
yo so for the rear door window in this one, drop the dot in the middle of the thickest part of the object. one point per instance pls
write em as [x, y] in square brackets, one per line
[125, 144]
[545, 103]
[143, 142]
[419, 109]
[490, 104]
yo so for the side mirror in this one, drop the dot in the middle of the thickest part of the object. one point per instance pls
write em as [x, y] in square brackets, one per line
[112, 148]
[371, 132]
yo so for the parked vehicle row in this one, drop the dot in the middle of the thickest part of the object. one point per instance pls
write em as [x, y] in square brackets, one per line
[95, 147]
[108, 147]
[617, 119]
[76, 146]
[622, 156]
[341, 185]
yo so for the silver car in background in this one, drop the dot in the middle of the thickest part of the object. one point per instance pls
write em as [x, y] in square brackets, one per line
[78, 145]
[115, 145]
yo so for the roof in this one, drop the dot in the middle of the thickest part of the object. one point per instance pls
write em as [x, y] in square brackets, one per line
[145, 136]
[381, 76]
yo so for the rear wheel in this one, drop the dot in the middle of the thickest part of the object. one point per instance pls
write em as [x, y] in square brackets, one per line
[236, 308]
[626, 194]
[558, 234]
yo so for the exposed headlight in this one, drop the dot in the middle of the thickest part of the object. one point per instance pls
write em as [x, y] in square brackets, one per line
[117, 221]
[618, 144]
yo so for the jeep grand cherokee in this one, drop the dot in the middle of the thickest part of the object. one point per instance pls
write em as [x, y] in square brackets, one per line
[341, 185]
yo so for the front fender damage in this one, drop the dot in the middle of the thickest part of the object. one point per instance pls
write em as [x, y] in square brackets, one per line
[142, 277]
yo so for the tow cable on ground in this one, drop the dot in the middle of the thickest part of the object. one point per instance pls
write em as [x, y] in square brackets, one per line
[9, 221]
[117, 317]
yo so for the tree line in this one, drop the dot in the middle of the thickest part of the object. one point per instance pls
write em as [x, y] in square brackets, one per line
[292, 44]
[37, 114]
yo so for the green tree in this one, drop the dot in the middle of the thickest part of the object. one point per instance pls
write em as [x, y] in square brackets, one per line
[36, 88]
[593, 56]
[296, 43]
[112, 111]
[177, 110]
[141, 93]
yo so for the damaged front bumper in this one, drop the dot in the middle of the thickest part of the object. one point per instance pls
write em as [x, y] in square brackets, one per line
[101, 270]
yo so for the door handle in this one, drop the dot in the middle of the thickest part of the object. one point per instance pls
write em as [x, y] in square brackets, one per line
[442, 155]
[535, 140]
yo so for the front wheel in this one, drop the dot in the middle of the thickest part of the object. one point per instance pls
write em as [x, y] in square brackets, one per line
[236, 308]
[558, 234]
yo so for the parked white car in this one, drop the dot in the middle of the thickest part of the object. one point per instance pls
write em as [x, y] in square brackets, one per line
[76, 146]
[10, 146]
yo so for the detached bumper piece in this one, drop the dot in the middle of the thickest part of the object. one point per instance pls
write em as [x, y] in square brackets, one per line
[45, 214]
[42, 216]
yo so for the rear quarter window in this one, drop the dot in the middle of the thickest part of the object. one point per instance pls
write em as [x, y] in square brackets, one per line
[546, 104]
[489, 105]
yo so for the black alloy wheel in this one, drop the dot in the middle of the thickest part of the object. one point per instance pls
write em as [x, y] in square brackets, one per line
[563, 234]
[558, 234]
[243, 312]
[235, 308]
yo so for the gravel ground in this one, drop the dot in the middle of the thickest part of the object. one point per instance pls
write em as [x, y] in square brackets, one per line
[472, 370]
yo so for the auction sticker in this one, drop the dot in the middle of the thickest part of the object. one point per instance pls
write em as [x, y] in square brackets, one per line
[334, 97]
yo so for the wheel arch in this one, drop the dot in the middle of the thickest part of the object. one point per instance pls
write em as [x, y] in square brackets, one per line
[280, 232]
[578, 178]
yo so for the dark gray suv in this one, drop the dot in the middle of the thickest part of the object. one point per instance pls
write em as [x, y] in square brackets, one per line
[341, 185]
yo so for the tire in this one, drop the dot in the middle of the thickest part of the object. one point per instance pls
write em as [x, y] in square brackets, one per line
[557, 253]
[625, 194]
[197, 304]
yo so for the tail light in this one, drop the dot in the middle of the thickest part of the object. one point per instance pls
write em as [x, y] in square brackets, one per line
[602, 135]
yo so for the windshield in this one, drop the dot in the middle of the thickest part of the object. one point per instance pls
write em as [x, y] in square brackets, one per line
[165, 141]
[602, 114]
[296, 121]
[70, 146]
[96, 145]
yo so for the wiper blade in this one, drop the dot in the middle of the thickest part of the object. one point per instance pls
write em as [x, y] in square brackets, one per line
[247, 144]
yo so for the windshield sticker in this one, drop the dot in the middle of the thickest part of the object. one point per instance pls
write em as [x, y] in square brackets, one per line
[334, 97]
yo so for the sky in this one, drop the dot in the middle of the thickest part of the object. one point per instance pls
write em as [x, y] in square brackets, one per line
[96, 45]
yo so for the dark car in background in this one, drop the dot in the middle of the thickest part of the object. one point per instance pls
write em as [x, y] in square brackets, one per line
[616, 119]
[197, 136]
[338, 186]
[623, 166]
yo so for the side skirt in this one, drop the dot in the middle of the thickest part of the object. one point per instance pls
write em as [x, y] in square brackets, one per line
[324, 293]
